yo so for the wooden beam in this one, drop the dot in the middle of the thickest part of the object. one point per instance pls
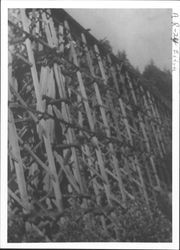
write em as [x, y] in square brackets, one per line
[46, 137]
[104, 118]
[89, 114]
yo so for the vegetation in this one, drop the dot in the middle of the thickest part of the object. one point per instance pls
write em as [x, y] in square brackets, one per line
[132, 225]
[159, 80]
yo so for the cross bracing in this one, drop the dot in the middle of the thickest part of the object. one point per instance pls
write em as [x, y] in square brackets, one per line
[82, 128]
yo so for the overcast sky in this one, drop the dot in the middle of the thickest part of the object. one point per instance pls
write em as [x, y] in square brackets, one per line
[144, 34]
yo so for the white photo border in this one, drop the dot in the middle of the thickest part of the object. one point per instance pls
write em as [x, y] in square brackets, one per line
[175, 6]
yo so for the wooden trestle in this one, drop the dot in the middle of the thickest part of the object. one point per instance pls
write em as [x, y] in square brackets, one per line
[79, 125]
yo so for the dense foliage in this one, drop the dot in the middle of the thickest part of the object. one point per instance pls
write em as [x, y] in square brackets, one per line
[132, 224]
[160, 79]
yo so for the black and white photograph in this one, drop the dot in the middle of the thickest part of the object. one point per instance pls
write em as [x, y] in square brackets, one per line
[89, 147]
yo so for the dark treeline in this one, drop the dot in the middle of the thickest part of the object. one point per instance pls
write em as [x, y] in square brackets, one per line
[160, 80]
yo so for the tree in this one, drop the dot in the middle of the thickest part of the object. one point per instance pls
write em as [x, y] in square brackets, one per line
[105, 43]
[122, 56]
[160, 79]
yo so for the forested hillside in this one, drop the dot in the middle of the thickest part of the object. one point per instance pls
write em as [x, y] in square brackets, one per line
[158, 80]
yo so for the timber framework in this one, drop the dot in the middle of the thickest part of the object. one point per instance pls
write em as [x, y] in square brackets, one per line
[82, 128]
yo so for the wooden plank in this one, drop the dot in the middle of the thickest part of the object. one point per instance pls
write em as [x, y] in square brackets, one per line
[67, 172]
[46, 137]
[60, 38]
[31, 60]
[34, 156]
[154, 132]
[135, 156]
[89, 115]
[143, 131]
[90, 165]
[50, 92]
[136, 163]
[142, 184]
[156, 118]
[14, 145]
[66, 116]
[105, 80]
[18, 200]
[61, 88]
[104, 118]
[120, 102]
